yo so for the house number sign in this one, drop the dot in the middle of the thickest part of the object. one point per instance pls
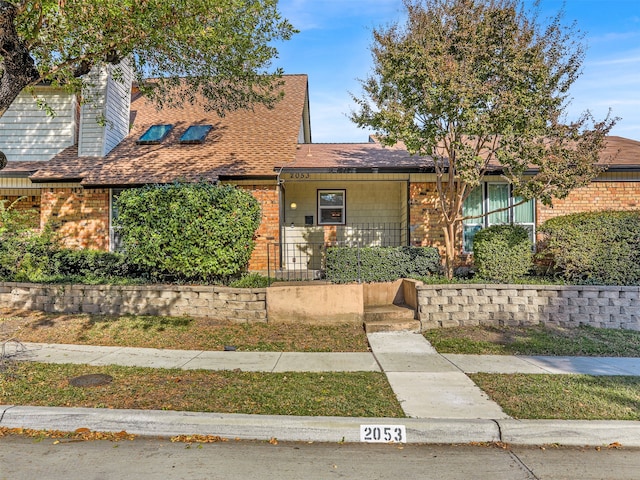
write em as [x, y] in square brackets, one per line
[383, 433]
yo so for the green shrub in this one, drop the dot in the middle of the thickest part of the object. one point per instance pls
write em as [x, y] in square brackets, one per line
[25, 253]
[594, 248]
[250, 280]
[502, 253]
[380, 264]
[92, 265]
[194, 232]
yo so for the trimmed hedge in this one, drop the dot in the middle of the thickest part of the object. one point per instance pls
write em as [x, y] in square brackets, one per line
[600, 248]
[193, 232]
[92, 265]
[502, 253]
[380, 264]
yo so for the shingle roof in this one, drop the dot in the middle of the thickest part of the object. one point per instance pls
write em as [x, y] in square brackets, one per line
[619, 153]
[355, 156]
[243, 143]
[20, 168]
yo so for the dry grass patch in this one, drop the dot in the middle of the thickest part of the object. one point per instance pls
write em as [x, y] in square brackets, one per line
[180, 333]
[359, 394]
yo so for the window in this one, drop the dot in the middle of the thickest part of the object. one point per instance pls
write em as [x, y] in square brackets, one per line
[488, 198]
[195, 134]
[115, 240]
[154, 134]
[331, 207]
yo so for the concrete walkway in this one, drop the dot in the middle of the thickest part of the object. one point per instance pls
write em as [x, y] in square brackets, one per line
[445, 406]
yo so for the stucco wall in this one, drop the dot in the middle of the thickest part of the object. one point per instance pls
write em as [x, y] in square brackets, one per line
[569, 306]
[378, 202]
[323, 304]
[236, 304]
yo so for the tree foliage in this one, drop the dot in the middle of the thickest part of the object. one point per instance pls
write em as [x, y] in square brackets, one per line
[199, 231]
[224, 47]
[480, 85]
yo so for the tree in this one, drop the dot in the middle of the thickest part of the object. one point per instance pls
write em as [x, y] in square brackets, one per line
[223, 47]
[477, 85]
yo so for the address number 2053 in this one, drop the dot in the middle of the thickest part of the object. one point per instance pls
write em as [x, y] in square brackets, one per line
[383, 433]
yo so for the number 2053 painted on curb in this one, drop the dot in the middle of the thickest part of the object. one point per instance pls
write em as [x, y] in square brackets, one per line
[383, 433]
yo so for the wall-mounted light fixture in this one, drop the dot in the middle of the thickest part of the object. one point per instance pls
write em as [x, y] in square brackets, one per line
[293, 205]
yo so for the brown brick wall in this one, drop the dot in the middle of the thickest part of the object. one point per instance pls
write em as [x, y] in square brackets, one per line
[424, 219]
[596, 196]
[79, 215]
[269, 231]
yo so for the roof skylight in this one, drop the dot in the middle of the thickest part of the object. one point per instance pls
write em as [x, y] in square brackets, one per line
[195, 134]
[154, 134]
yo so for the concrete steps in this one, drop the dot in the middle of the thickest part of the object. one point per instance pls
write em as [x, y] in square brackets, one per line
[390, 318]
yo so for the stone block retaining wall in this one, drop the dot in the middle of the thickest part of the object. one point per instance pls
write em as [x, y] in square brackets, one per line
[236, 304]
[437, 305]
[569, 306]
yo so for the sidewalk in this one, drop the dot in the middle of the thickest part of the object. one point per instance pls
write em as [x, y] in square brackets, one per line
[445, 406]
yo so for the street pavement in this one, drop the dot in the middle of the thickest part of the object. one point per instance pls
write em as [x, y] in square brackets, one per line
[442, 404]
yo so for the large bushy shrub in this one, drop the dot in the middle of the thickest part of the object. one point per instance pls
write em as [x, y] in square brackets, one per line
[200, 231]
[502, 253]
[594, 248]
[380, 264]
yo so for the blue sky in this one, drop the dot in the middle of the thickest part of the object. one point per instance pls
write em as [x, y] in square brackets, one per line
[333, 49]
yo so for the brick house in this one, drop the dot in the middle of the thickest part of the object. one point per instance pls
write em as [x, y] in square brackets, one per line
[383, 196]
[71, 167]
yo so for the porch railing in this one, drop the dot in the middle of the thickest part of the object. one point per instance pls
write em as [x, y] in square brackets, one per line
[306, 259]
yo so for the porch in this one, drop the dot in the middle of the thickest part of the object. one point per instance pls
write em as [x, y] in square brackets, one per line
[322, 210]
[302, 253]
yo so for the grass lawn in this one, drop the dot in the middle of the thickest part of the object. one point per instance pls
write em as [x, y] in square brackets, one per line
[323, 394]
[568, 397]
[181, 333]
[536, 340]
[360, 394]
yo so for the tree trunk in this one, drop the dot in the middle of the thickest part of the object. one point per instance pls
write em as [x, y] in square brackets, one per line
[450, 248]
[17, 68]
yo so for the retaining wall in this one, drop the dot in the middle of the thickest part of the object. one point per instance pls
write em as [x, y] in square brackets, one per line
[237, 304]
[569, 306]
[437, 306]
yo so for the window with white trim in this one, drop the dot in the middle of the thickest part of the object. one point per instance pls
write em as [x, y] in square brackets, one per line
[493, 196]
[331, 207]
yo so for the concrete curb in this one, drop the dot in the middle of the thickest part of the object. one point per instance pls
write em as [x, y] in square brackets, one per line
[321, 429]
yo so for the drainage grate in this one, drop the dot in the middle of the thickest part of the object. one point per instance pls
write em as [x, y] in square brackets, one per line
[91, 380]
